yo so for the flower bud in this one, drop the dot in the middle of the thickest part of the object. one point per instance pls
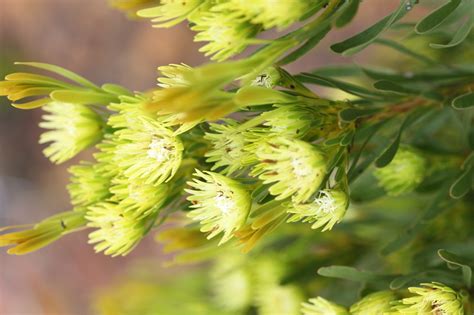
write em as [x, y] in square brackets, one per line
[321, 306]
[433, 298]
[294, 168]
[147, 151]
[221, 204]
[73, 128]
[87, 186]
[404, 173]
[117, 231]
[228, 144]
[138, 199]
[280, 300]
[326, 210]
[170, 12]
[225, 35]
[374, 303]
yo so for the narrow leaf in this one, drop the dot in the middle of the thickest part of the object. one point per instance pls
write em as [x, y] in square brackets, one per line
[360, 41]
[436, 17]
[351, 273]
[348, 13]
[462, 185]
[82, 97]
[389, 86]
[464, 101]
[352, 114]
[460, 35]
[461, 262]
[61, 71]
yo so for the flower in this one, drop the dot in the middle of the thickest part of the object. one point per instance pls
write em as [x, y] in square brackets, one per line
[175, 75]
[227, 36]
[87, 185]
[147, 151]
[404, 173]
[229, 275]
[271, 13]
[138, 198]
[72, 127]
[280, 300]
[131, 6]
[294, 167]
[221, 204]
[228, 144]
[326, 210]
[321, 306]
[43, 233]
[170, 12]
[374, 303]
[118, 232]
[289, 120]
[433, 298]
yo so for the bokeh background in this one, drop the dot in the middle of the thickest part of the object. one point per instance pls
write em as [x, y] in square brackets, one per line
[101, 44]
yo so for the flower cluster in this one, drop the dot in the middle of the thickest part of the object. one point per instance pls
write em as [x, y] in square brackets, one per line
[228, 26]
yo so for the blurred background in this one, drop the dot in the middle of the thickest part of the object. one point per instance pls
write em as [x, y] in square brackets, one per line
[90, 38]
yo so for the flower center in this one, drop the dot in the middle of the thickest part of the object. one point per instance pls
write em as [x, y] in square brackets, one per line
[326, 202]
[159, 149]
[224, 203]
[300, 169]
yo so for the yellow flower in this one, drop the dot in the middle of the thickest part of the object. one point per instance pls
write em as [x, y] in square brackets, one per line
[72, 128]
[294, 168]
[220, 204]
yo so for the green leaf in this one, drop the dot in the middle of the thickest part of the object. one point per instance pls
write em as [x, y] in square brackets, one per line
[389, 86]
[464, 101]
[347, 14]
[388, 155]
[462, 185]
[351, 114]
[116, 89]
[436, 17]
[360, 41]
[438, 204]
[351, 273]
[61, 71]
[346, 87]
[82, 97]
[460, 35]
[32, 104]
[461, 262]
[404, 50]
[307, 46]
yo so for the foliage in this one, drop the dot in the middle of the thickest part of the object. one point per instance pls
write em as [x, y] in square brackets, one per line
[384, 164]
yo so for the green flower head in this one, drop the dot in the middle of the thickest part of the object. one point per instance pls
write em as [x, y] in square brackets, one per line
[271, 13]
[321, 306]
[170, 12]
[117, 232]
[138, 199]
[404, 173]
[221, 204]
[175, 75]
[294, 167]
[147, 151]
[374, 303]
[280, 300]
[228, 144]
[225, 35]
[289, 120]
[87, 184]
[326, 210]
[231, 282]
[433, 298]
[72, 128]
